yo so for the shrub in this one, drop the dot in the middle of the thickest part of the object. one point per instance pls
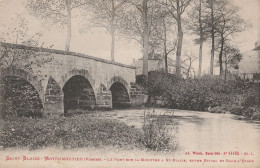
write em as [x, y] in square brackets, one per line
[19, 98]
[218, 109]
[167, 90]
[158, 134]
[256, 114]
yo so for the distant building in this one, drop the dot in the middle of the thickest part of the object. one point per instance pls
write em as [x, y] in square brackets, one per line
[249, 66]
[156, 62]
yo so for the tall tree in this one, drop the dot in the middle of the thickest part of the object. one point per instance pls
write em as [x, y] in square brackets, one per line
[212, 23]
[136, 25]
[229, 24]
[162, 35]
[106, 14]
[159, 29]
[211, 19]
[55, 12]
[144, 11]
[176, 9]
[196, 23]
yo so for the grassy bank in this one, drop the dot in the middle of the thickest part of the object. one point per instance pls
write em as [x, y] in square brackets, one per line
[67, 132]
[80, 131]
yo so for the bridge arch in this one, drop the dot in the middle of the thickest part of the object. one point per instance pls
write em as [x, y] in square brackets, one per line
[120, 92]
[80, 72]
[21, 73]
[118, 79]
[21, 92]
[78, 93]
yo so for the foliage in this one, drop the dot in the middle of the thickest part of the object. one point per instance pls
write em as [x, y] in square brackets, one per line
[224, 23]
[19, 98]
[249, 112]
[67, 132]
[200, 94]
[158, 83]
[74, 112]
[106, 14]
[55, 12]
[176, 9]
[196, 22]
[158, 133]
[19, 33]
[15, 55]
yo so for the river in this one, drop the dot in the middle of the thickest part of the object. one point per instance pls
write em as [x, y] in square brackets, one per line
[201, 132]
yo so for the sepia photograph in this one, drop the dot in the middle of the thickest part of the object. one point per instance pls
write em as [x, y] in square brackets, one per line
[130, 83]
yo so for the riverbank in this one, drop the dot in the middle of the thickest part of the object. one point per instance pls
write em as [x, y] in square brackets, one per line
[77, 131]
[91, 129]
[198, 132]
[252, 113]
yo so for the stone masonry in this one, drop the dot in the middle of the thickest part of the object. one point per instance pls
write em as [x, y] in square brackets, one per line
[49, 79]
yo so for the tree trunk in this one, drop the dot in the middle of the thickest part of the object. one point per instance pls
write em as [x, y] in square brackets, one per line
[201, 40]
[212, 39]
[113, 46]
[165, 47]
[166, 62]
[220, 58]
[225, 69]
[179, 45]
[178, 53]
[113, 32]
[200, 58]
[146, 38]
[67, 45]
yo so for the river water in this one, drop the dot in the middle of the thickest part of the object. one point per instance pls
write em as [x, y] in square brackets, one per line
[200, 132]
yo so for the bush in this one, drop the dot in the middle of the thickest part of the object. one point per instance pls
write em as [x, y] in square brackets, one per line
[237, 110]
[19, 98]
[256, 114]
[158, 134]
[218, 109]
[167, 90]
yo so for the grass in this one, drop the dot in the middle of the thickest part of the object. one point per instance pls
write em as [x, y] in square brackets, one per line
[67, 132]
[84, 130]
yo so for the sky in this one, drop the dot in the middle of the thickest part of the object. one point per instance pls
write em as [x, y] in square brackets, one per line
[96, 42]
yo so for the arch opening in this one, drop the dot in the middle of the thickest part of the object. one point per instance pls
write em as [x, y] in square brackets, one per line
[120, 97]
[19, 98]
[78, 94]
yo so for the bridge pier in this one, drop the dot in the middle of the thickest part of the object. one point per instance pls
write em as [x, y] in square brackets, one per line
[137, 96]
[53, 99]
[104, 99]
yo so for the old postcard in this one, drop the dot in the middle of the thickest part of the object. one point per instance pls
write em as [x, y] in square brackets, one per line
[130, 83]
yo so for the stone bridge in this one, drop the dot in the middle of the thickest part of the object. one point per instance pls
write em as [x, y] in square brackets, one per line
[68, 80]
